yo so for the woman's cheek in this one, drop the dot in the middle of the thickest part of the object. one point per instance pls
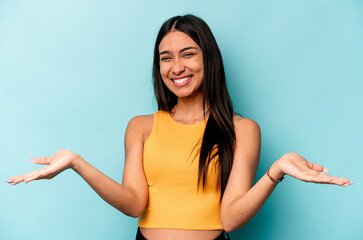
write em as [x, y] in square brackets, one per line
[163, 71]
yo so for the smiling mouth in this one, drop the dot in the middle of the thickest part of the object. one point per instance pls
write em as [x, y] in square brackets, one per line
[181, 80]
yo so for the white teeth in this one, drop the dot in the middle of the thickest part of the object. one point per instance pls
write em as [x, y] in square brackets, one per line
[181, 80]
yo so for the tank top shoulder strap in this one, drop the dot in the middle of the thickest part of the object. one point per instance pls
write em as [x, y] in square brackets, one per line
[161, 115]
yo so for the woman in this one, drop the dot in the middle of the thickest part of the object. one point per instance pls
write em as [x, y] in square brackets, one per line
[190, 167]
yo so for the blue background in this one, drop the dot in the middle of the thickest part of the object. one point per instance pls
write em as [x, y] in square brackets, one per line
[73, 73]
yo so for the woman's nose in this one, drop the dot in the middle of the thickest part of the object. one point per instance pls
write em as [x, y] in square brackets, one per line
[178, 67]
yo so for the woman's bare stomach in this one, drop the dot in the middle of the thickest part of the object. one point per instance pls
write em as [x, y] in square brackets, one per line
[179, 234]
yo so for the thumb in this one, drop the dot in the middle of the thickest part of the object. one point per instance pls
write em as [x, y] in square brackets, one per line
[41, 160]
[317, 167]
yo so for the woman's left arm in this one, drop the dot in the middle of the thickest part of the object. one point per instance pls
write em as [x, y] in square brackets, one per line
[242, 200]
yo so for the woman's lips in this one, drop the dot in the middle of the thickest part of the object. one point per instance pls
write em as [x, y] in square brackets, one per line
[181, 81]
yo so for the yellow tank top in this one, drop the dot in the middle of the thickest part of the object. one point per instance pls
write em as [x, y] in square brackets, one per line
[171, 158]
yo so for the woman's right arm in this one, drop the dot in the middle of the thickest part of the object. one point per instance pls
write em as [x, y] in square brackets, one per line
[130, 197]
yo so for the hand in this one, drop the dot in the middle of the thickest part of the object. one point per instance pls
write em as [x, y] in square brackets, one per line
[62, 160]
[296, 166]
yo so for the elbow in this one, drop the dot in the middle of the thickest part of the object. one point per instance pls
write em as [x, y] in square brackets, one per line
[227, 223]
[132, 210]
[135, 214]
[134, 206]
[228, 226]
[230, 222]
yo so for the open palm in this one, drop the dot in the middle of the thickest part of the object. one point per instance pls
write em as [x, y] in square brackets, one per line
[62, 160]
[298, 167]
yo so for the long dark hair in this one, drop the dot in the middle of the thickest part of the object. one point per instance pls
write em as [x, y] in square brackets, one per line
[219, 131]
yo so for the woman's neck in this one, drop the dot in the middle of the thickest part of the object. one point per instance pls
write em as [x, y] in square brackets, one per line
[190, 110]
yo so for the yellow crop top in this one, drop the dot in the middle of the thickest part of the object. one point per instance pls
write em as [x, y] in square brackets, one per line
[171, 159]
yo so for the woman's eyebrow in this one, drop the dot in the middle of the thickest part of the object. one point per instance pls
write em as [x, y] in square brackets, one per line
[164, 52]
[188, 48]
[184, 49]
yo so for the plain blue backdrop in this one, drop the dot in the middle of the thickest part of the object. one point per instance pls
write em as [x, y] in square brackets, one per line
[73, 73]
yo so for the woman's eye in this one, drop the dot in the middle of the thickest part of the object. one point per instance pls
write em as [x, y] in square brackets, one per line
[165, 59]
[188, 54]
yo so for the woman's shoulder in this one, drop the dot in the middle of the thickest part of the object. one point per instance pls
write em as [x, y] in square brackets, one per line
[243, 124]
[248, 135]
[142, 119]
[141, 125]
[141, 122]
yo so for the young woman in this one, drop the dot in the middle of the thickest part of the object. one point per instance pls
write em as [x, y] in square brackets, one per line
[189, 167]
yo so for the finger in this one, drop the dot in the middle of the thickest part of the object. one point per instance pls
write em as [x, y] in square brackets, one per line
[15, 179]
[44, 173]
[317, 177]
[322, 178]
[341, 181]
[347, 184]
[9, 181]
[41, 160]
[317, 167]
[31, 176]
[327, 179]
[34, 176]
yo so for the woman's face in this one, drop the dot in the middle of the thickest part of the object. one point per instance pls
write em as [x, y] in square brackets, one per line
[181, 64]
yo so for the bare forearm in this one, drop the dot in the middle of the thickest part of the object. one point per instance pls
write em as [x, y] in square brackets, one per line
[121, 197]
[244, 208]
[241, 207]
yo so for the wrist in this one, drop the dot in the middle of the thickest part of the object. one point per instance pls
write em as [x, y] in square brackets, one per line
[77, 163]
[275, 172]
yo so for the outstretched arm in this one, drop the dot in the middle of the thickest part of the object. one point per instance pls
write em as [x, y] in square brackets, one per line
[241, 201]
[130, 197]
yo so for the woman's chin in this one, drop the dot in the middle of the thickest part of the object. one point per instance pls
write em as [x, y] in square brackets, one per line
[185, 95]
